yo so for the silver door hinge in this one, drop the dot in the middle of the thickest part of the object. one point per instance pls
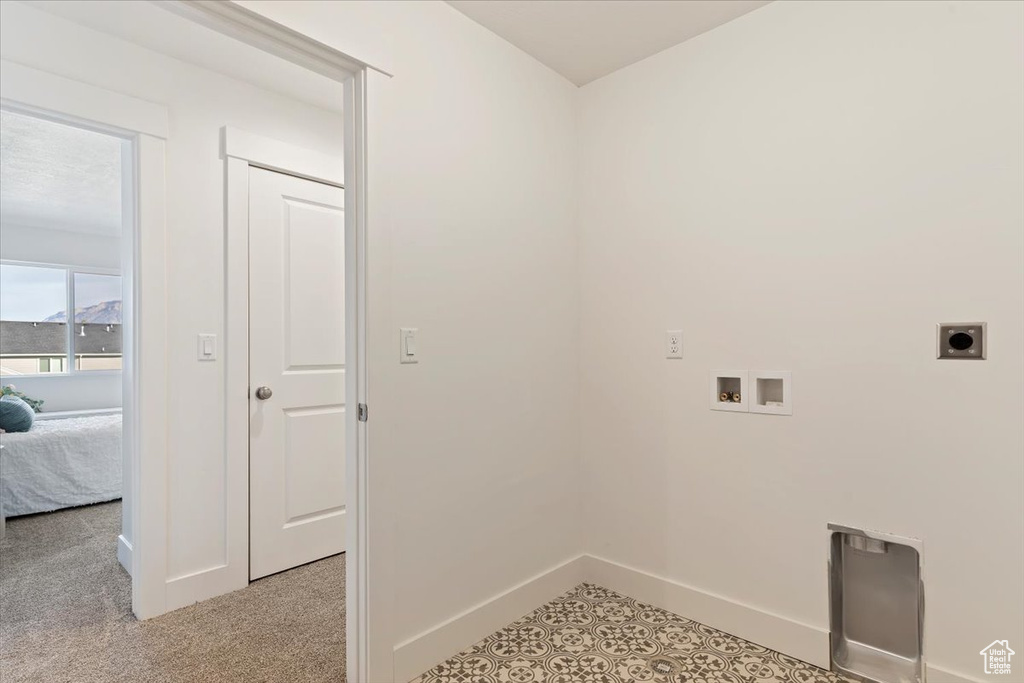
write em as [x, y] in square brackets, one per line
[363, 412]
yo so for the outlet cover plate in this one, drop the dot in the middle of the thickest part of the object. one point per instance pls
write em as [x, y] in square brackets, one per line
[961, 341]
[673, 344]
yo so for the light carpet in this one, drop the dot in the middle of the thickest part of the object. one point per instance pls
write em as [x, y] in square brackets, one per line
[65, 615]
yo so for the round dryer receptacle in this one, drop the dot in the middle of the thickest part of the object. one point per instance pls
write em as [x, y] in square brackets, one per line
[961, 341]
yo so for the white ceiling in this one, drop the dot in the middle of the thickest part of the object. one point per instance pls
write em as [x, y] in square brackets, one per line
[586, 39]
[59, 177]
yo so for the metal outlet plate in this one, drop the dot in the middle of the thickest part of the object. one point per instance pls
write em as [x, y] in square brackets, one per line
[961, 341]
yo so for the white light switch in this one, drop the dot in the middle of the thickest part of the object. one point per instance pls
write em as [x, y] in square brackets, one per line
[409, 351]
[207, 347]
[673, 344]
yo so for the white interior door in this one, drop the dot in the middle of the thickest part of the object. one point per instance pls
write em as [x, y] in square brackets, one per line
[296, 371]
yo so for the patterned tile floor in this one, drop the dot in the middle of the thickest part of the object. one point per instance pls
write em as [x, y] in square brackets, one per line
[594, 635]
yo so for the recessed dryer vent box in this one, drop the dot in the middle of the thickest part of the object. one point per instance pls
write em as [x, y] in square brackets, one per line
[772, 392]
[729, 390]
[876, 606]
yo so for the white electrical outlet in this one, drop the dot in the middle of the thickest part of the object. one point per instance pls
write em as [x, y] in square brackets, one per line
[673, 344]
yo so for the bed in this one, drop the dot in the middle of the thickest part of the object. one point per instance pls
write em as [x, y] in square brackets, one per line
[61, 462]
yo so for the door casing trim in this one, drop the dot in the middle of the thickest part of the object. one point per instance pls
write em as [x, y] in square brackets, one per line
[274, 155]
[144, 372]
[242, 151]
[154, 592]
[235, 21]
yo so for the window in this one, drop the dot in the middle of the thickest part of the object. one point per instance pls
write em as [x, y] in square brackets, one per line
[33, 320]
[97, 333]
[35, 335]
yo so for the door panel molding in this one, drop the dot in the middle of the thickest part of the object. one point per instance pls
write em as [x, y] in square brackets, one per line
[296, 316]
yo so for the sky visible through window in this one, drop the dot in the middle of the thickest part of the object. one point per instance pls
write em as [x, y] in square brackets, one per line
[35, 294]
[32, 294]
[93, 290]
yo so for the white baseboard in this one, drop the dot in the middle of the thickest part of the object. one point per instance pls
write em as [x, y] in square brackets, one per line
[793, 638]
[420, 653]
[939, 675]
[203, 585]
[796, 639]
[124, 553]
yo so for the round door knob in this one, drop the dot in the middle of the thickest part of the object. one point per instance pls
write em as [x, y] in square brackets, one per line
[263, 393]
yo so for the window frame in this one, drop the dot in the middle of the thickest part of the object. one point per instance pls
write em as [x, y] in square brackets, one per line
[69, 284]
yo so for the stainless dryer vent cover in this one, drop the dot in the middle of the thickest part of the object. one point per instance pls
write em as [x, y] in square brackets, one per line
[876, 606]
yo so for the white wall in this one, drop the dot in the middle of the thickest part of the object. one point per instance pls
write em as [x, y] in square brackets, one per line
[811, 187]
[200, 102]
[69, 248]
[472, 240]
[63, 247]
[82, 391]
[778, 187]
[472, 163]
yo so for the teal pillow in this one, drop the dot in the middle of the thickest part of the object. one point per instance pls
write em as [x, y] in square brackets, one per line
[15, 414]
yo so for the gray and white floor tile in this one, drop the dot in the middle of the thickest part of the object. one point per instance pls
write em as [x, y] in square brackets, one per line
[594, 635]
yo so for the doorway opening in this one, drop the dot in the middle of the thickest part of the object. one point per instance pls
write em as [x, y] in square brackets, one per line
[191, 468]
[66, 227]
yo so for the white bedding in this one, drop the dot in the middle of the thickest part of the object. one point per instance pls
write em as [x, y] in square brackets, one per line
[61, 463]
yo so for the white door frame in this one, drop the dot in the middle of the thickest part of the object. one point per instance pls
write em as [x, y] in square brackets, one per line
[242, 151]
[256, 30]
[147, 124]
[144, 370]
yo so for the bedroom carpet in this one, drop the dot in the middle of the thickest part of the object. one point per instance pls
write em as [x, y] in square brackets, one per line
[65, 615]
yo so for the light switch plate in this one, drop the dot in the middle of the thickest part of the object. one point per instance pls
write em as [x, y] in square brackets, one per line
[408, 350]
[206, 347]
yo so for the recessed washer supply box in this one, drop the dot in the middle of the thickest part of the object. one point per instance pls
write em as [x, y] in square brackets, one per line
[772, 392]
[729, 390]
